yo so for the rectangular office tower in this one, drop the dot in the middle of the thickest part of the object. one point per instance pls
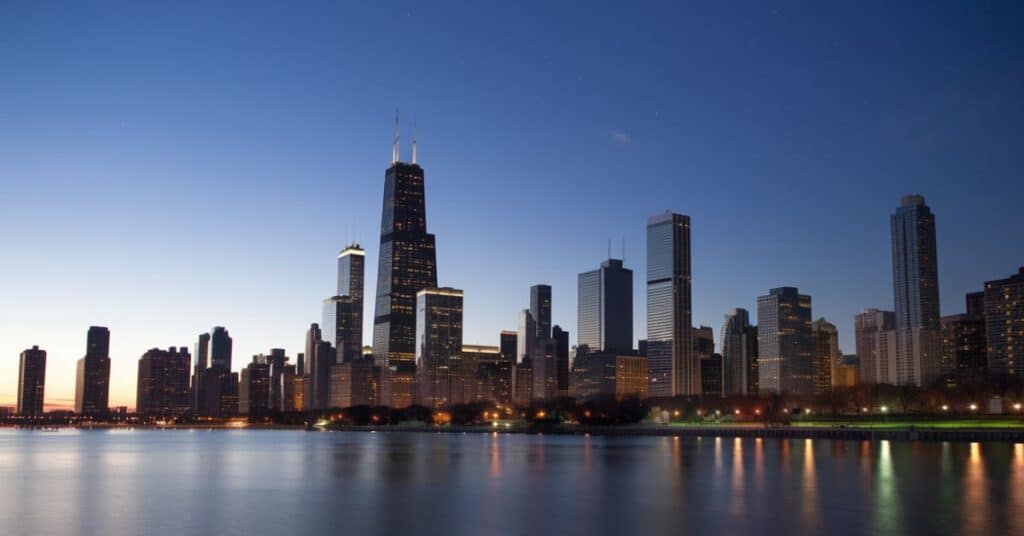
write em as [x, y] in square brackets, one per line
[785, 344]
[438, 343]
[875, 337]
[1004, 325]
[92, 385]
[915, 278]
[162, 384]
[605, 309]
[343, 327]
[673, 367]
[31, 382]
[351, 266]
[739, 354]
[407, 263]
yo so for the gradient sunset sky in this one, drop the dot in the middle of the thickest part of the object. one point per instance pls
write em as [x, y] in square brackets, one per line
[168, 167]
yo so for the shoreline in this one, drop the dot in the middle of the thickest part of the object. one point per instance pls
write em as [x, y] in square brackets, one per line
[839, 433]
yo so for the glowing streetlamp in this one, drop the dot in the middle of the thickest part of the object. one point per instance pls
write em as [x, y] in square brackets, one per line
[945, 407]
[885, 409]
[974, 407]
[1017, 406]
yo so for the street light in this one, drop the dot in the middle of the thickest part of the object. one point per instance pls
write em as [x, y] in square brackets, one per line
[974, 407]
[1017, 406]
[885, 409]
[945, 407]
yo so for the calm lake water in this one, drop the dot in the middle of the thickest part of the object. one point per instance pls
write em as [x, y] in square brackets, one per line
[292, 482]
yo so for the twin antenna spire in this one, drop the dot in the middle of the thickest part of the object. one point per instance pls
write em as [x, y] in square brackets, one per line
[394, 145]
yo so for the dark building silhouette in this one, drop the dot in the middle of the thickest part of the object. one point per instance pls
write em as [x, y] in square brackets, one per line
[277, 361]
[711, 376]
[342, 325]
[407, 262]
[603, 375]
[202, 353]
[509, 341]
[324, 357]
[605, 308]
[673, 366]
[255, 386]
[218, 384]
[704, 348]
[561, 338]
[739, 354]
[964, 355]
[1004, 325]
[163, 382]
[31, 382]
[92, 387]
[975, 303]
[540, 308]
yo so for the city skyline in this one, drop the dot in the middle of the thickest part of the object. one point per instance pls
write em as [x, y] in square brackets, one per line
[154, 293]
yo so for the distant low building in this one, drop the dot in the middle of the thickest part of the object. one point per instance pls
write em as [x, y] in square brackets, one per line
[609, 375]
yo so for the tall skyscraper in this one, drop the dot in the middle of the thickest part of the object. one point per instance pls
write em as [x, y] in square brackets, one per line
[540, 308]
[673, 367]
[739, 353]
[202, 352]
[561, 338]
[875, 336]
[220, 385]
[826, 358]
[605, 309]
[162, 382]
[1004, 325]
[407, 262]
[916, 290]
[785, 345]
[439, 343]
[220, 348]
[343, 313]
[31, 382]
[92, 388]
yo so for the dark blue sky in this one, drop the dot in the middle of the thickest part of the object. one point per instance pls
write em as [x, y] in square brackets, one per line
[165, 168]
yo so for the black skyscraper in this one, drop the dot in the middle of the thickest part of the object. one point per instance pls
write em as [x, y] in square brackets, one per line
[540, 308]
[92, 388]
[31, 381]
[407, 261]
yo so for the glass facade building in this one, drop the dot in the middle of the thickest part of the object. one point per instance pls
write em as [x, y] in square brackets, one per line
[407, 264]
[605, 308]
[439, 344]
[673, 367]
[915, 277]
[739, 354]
[785, 344]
